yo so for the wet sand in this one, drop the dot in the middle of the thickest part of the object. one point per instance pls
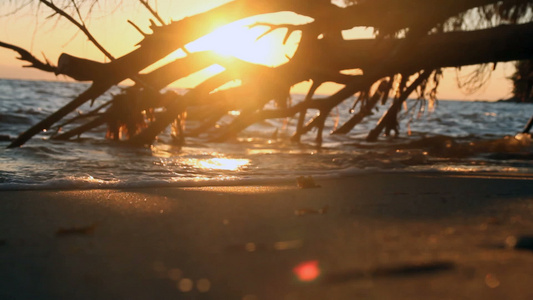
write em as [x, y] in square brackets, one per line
[373, 236]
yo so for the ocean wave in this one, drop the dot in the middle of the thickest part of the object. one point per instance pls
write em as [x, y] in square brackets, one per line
[457, 137]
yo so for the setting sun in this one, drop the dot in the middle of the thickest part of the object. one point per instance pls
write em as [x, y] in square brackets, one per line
[243, 40]
[251, 40]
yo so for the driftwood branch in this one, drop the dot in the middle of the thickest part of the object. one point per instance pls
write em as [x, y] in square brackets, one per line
[91, 93]
[80, 25]
[27, 56]
[322, 55]
[389, 119]
[366, 107]
[152, 11]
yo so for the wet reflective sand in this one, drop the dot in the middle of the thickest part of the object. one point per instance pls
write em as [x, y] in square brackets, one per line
[382, 236]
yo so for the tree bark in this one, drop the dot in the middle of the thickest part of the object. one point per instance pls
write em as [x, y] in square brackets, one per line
[499, 44]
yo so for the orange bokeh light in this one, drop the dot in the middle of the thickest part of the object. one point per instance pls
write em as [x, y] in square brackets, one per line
[307, 271]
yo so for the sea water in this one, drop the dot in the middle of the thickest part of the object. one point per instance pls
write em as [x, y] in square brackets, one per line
[456, 136]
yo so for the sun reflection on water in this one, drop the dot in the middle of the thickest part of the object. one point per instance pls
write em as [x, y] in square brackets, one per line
[200, 161]
[220, 163]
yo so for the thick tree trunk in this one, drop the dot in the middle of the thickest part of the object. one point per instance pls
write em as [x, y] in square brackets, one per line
[404, 14]
[499, 44]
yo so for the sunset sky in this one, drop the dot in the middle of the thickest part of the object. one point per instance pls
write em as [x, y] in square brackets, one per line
[29, 28]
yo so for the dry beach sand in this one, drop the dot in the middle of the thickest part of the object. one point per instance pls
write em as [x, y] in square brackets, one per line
[373, 236]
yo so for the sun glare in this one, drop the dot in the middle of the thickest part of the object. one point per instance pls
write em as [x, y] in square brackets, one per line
[243, 41]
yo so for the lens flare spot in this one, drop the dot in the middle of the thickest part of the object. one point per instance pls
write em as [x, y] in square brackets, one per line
[250, 247]
[203, 285]
[185, 285]
[307, 271]
[491, 281]
[175, 274]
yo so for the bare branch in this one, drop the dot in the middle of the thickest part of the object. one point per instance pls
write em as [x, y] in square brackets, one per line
[27, 56]
[152, 11]
[137, 28]
[272, 27]
[81, 26]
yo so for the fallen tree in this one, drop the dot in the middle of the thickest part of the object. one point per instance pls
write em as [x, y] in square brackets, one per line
[414, 40]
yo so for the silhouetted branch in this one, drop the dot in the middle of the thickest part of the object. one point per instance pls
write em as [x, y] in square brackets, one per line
[80, 25]
[152, 11]
[34, 62]
[423, 35]
[389, 119]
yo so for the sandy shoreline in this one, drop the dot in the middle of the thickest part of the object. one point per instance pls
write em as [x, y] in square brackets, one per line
[373, 236]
